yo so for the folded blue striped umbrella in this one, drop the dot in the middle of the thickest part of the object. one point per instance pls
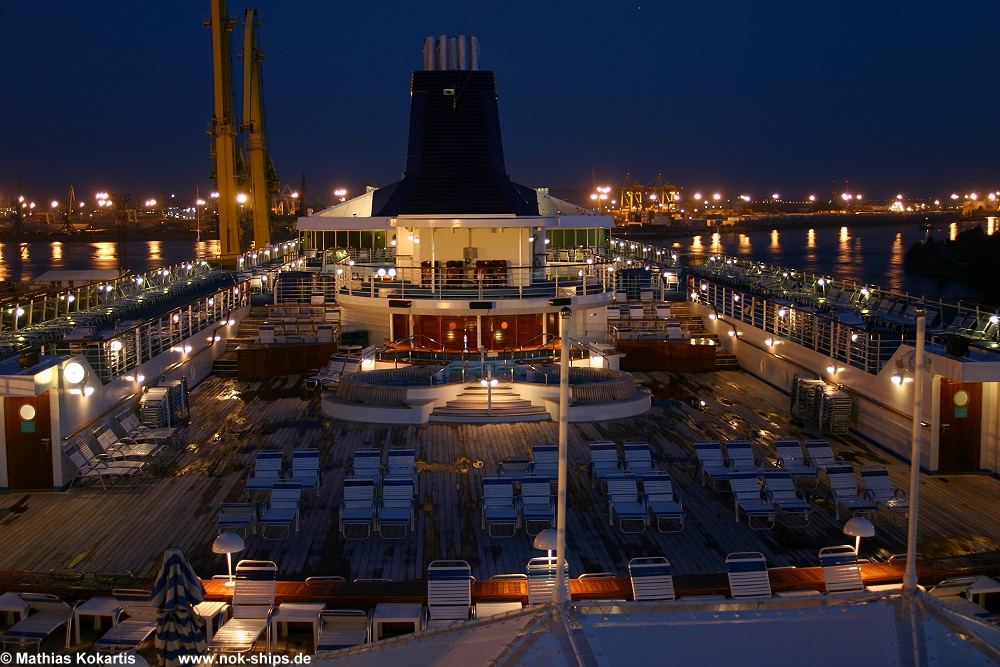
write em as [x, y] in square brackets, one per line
[179, 631]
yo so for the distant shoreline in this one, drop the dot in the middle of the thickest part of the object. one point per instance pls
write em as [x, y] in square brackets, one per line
[794, 221]
[108, 235]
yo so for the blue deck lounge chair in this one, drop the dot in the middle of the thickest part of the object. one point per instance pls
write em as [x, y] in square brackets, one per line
[880, 490]
[604, 461]
[545, 459]
[791, 459]
[306, 468]
[501, 514]
[368, 463]
[780, 491]
[712, 464]
[237, 516]
[844, 491]
[664, 504]
[747, 499]
[281, 510]
[538, 506]
[638, 458]
[395, 514]
[625, 503]
[267, 470]
[357, 508]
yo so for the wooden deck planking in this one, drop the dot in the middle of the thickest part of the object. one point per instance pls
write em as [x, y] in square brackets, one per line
[127, 529]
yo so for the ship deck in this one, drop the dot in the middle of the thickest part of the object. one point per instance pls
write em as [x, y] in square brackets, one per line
[127, 528]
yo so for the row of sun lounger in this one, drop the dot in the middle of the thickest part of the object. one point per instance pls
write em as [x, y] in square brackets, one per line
[254, 614]
[762, 493]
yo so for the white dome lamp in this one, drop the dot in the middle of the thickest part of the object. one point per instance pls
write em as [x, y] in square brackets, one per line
[229, 544]
[859, 527]
[546, 539]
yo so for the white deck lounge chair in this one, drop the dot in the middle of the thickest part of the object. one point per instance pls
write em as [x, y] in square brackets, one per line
[662, 502]
[711, 464]
[135, 623]
[542, 579]
[538, 506]
[449, 593]
[343, 628]
[281, 510]
[90, 465]
[252, 608]
[841, 570]
[357, 508]
[880, 490]
[844, 490]
[266, 472]
[396, 514]
[747, 499]
[820, 455]
[625, 503]
[501, 516]
[791, 459]
[953, 593]
[651, 578]
[129, 421]
[126, 448]
[50, 613]
[748, 575]
[780, 491]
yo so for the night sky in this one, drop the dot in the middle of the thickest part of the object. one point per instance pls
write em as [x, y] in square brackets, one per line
[726, 95]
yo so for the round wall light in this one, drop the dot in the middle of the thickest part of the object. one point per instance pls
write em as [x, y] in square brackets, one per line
[74, 372]
[27, 412]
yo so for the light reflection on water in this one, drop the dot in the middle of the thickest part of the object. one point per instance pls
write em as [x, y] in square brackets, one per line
[22, 262]
[865, 255]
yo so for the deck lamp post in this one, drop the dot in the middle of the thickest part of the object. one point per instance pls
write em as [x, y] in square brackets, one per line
[229, 544]
[859, 527]
[559, 594]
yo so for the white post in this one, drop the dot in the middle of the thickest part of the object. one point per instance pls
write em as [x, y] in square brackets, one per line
[559, 594]
[910, 575]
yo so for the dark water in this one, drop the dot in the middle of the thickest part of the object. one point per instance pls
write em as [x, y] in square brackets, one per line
[871, 254]
[21, 262]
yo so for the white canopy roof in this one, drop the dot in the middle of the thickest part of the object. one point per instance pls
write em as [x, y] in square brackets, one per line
[356, 213]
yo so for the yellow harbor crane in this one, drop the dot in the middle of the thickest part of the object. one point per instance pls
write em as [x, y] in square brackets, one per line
[263, 177]
[244, 193]
[227, 163]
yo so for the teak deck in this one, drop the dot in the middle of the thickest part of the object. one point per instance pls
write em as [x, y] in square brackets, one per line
[127, 528]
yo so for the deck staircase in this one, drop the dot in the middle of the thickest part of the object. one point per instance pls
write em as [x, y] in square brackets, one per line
[247, 332]
[470, 407]
[693, 324]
